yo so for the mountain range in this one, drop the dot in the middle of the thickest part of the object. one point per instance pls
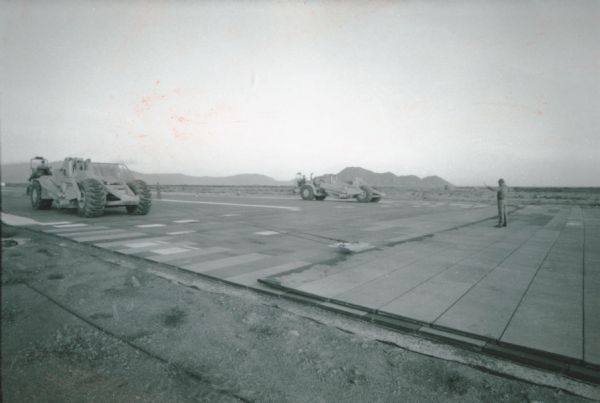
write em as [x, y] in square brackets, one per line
[390, 179]
[19, 172]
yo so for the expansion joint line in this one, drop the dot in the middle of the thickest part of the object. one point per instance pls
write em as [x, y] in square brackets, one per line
[583, 284]
[512, 315]
[484, 276]
[439, 273]
[189, 372]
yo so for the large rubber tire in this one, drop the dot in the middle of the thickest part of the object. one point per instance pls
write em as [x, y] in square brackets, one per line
[322, 197]
[365, 196]
[375, 199]
[141, 189]
[35, 195]
[93, 198]
[307, 192]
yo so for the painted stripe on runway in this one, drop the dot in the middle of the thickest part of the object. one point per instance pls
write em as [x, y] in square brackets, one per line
[136, 245]
[150, 225]
[180, 232]
[184, 221]
[225, 262]
[158, 246]
[16, 220]
[170, 251]
[189, 254]
[56, 223]
[129, 241]
[108, 237]
[61, 231]
[70, 225]
[232, 204]
[90, 233]
[266, 233]
[230, 215]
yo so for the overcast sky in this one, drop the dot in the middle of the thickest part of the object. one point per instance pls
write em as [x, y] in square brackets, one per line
[470, 91]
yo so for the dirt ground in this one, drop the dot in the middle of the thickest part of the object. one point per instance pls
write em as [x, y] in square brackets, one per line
[84, 324]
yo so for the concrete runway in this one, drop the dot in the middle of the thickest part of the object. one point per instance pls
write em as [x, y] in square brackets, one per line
[530, 292]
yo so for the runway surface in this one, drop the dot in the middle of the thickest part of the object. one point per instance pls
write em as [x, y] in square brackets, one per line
[530, 291]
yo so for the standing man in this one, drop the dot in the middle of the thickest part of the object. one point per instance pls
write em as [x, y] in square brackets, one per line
[501, 196]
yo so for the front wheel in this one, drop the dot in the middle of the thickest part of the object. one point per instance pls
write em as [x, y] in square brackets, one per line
[307, 192]
[141, 189]
[93, 198]
[35, 195]
[365, 196]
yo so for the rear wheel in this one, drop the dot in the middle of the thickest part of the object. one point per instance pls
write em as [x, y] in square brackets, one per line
[322, 197]
[375, 199]
[35, 195]
[93, 198]
[141, 189]
[365, 196]
[307, 192]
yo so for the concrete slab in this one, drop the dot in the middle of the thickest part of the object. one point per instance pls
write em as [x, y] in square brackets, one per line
[225, 262]
[380, 291]
[547, 324]
[553, 303]
[591, 307]
[486, 309]
[591, 285]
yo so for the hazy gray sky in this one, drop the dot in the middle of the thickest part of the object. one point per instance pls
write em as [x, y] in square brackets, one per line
[470, 91]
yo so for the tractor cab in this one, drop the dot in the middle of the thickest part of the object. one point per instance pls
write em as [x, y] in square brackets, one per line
[112, 174]
[39, 167]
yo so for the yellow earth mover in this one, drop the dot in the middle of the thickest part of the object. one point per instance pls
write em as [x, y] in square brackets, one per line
[87, 186]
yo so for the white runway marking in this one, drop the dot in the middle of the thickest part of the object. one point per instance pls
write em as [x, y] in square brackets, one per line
[267, 233]
[55, 223]
[150, 225]
[108, 236]
[184, 221]
[17, 220]
[180, 232]
[170, 251]
[230, 215]
[232, 204]
[61, 231]
[69, 225]
[141, 244]
[225, 262]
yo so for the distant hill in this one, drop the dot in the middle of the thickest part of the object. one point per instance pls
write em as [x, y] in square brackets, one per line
[15, 173]
[390, 179]
[235, 180]
[19, 172]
